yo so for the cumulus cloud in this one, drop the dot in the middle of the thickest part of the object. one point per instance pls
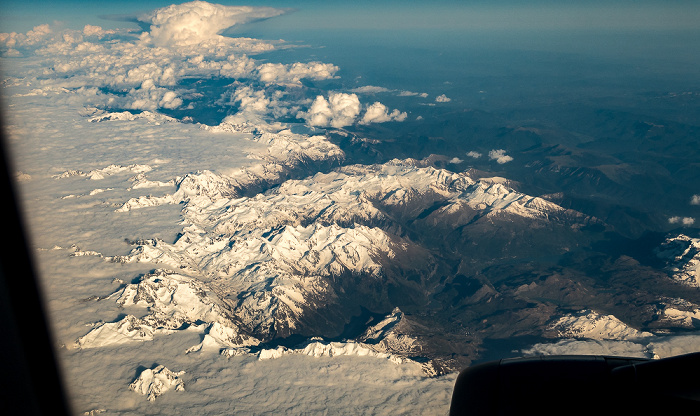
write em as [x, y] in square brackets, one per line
[345, 108]
[442, 99]
[456, 160]
[38, 32]
[126, 73]
[695, 200]
[147, 74]
[339, 110]
[157, 98]
[499, 155]
[107, 70]
[198, 21]
[379, 113]
[271, 73]
[137, 73]
[90, 30]
[474, 154]
[112, 71]
[11, 53]
[687, 221]
[11, 42]
[255, 103]
[250, 100]
[319, 114]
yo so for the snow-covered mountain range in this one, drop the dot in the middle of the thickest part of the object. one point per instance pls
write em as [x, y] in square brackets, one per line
[278, 249]
[300, 257]
[592, 325]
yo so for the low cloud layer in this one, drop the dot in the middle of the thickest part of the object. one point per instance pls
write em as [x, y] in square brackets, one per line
[654, 347]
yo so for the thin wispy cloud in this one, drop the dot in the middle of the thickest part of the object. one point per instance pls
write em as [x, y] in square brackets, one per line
[373, 89]
[405, 93]
[370, 89]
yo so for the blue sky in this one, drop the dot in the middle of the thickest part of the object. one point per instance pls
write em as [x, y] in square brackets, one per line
[365, 14]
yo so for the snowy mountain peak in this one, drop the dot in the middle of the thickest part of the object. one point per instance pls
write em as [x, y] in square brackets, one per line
[393, 334]
[380, 331]
[175, 303]
[284, 153]
[682, 255]
[593, 325]
[128, 329]
[156, 381]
